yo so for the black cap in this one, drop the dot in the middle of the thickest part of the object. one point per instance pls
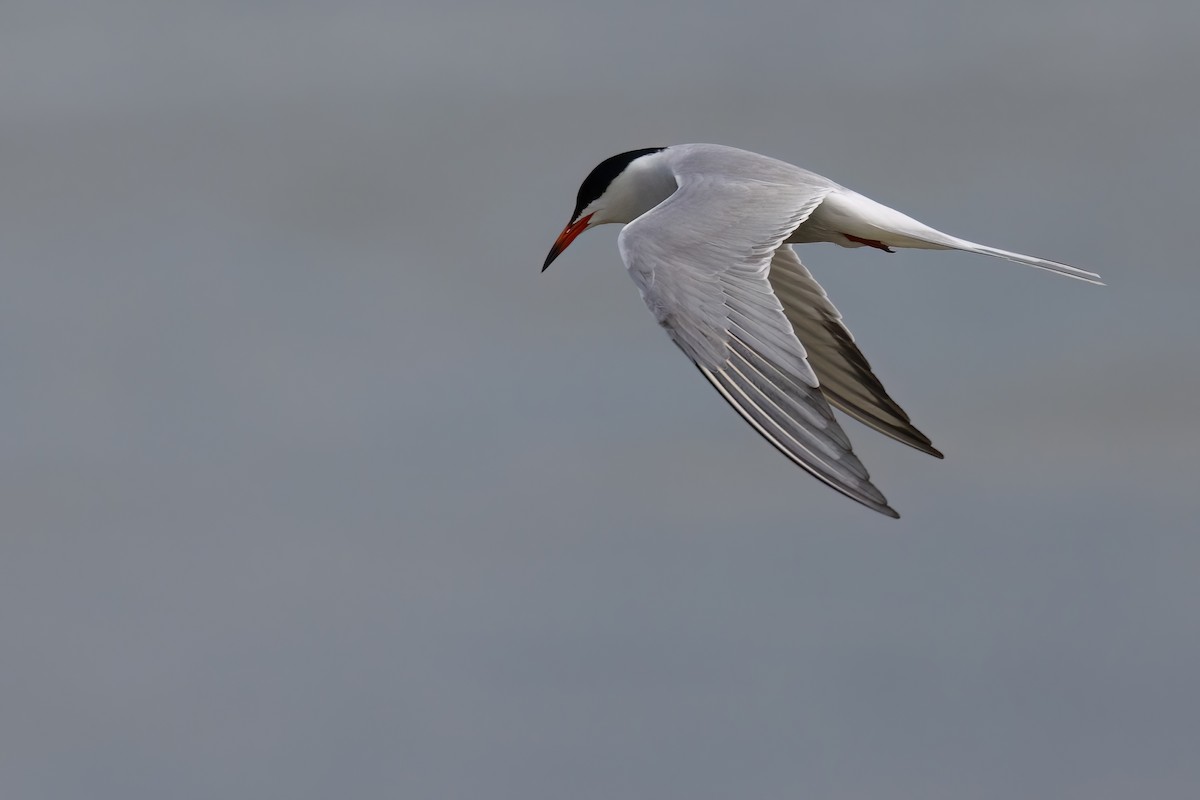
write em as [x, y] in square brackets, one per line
[598, 180]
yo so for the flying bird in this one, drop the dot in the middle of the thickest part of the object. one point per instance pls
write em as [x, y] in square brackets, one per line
[707, 238]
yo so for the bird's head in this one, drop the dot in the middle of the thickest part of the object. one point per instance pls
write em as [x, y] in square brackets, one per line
[619, 189]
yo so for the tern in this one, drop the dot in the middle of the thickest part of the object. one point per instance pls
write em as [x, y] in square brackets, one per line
[707, 238]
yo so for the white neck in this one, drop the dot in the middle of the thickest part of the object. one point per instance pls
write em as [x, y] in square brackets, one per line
[645, 183]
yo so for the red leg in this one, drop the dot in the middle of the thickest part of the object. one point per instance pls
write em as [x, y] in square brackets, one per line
[878, 245]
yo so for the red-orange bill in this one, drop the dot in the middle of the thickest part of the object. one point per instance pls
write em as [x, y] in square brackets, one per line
[565, 238]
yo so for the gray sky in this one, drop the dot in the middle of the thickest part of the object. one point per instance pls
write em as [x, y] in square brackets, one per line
[313, 487]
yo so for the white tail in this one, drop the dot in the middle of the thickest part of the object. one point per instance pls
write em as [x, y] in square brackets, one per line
[847, 212]
[1032, 261]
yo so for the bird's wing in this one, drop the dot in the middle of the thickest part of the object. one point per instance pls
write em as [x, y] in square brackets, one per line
[701, 260]
[845, 375]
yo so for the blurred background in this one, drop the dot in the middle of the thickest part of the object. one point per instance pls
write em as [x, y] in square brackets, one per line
[311, 486]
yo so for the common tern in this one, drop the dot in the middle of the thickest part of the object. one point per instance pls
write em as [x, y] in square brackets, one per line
[707, 238]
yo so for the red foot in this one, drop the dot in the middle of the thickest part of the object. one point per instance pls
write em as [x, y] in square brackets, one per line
[878, 245]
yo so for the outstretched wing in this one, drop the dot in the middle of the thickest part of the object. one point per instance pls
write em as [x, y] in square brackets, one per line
[701, 259]
[845, 375]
